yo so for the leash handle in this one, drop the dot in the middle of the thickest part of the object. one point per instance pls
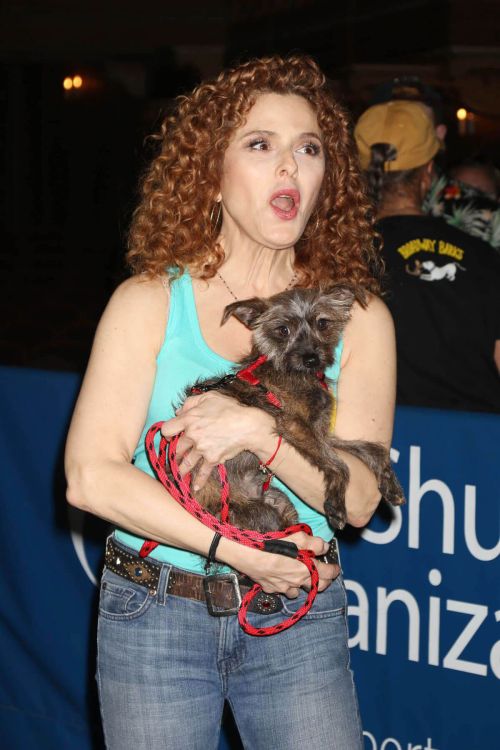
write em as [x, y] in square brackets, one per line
[271, 541]
[280, 547]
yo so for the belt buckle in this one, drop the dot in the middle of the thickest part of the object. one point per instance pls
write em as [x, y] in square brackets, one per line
[215, 611]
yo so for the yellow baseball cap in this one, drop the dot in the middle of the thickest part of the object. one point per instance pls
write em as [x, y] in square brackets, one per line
[406, 126]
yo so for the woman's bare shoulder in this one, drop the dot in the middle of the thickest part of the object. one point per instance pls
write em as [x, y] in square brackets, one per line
[141, 290]
[140, 305]
[370, 326]
[376, 313]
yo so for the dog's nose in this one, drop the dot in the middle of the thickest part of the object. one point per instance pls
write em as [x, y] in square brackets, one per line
[310, 360]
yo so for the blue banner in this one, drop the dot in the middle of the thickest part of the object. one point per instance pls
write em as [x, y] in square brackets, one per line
[47, 695]
[423, 584]
[424, 590]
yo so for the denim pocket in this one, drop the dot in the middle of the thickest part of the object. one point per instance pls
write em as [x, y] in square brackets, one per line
[121, 599]
[328, 603]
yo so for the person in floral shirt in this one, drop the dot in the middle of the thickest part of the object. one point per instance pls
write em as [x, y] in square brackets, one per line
[472, 208]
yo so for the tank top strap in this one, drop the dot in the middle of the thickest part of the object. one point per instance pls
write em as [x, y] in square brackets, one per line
[184, 332]
[182, 316]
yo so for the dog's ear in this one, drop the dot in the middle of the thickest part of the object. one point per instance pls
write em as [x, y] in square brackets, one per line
[247, 311]
[341, 297]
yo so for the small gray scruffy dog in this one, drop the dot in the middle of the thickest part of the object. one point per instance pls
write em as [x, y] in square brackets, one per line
[297, 332]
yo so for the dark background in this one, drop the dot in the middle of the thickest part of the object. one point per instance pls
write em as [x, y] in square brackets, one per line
[70, 159]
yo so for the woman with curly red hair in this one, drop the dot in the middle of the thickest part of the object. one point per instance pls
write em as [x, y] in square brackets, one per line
[255, 190]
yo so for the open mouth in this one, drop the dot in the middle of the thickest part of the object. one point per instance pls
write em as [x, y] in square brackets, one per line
[285, 203]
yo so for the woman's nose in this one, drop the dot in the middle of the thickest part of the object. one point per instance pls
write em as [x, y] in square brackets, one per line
[287, 164]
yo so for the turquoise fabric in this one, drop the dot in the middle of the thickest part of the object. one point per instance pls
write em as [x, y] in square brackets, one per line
[184, 358]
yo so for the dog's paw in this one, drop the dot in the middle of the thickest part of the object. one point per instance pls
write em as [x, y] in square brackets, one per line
[282, 505]
[389, 487]
[335, 513]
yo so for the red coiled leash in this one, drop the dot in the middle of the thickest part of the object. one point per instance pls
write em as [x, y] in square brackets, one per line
[179, 488]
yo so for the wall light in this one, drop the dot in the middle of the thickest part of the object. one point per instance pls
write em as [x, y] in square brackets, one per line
[466, 121]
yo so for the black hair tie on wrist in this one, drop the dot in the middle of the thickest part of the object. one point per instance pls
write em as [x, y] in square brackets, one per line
[212, 551]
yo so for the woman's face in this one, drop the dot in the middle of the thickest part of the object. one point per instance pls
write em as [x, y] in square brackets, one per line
[272, 172]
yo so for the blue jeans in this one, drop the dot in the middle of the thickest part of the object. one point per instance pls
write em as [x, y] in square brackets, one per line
[165, 668]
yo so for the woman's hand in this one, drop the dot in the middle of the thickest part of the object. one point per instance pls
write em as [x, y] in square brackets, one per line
[216, 427]
[280, 574]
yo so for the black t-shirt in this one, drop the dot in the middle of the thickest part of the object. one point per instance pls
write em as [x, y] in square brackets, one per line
[443, 289]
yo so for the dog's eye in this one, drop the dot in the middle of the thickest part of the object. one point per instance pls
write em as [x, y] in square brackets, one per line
[323, 324]
[283, 331]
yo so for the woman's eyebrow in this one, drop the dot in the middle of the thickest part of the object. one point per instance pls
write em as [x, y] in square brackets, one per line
[312, 134]
[308, 134]
[256, 132]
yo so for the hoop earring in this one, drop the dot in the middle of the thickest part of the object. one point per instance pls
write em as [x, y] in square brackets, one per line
[215, 221]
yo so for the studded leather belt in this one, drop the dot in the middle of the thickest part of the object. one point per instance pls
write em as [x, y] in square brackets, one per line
[221, 593]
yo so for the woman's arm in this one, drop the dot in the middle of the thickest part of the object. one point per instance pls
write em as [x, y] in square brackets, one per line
[108, 419]
[365, 411]
[366, 399]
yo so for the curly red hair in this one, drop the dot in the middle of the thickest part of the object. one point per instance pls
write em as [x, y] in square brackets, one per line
[173, 225]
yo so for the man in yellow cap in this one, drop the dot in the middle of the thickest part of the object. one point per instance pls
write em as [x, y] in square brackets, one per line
[443, 283]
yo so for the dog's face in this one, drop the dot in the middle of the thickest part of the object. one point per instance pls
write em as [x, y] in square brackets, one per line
[299, 329]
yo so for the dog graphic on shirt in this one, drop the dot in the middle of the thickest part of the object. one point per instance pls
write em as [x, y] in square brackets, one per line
[429, 271]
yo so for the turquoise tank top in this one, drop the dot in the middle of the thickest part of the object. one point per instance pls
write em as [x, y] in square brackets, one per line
[185, 357]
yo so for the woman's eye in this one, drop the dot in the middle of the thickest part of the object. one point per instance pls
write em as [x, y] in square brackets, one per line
[283, 331]
[259, 144]
[322, 324]
[313, 149]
